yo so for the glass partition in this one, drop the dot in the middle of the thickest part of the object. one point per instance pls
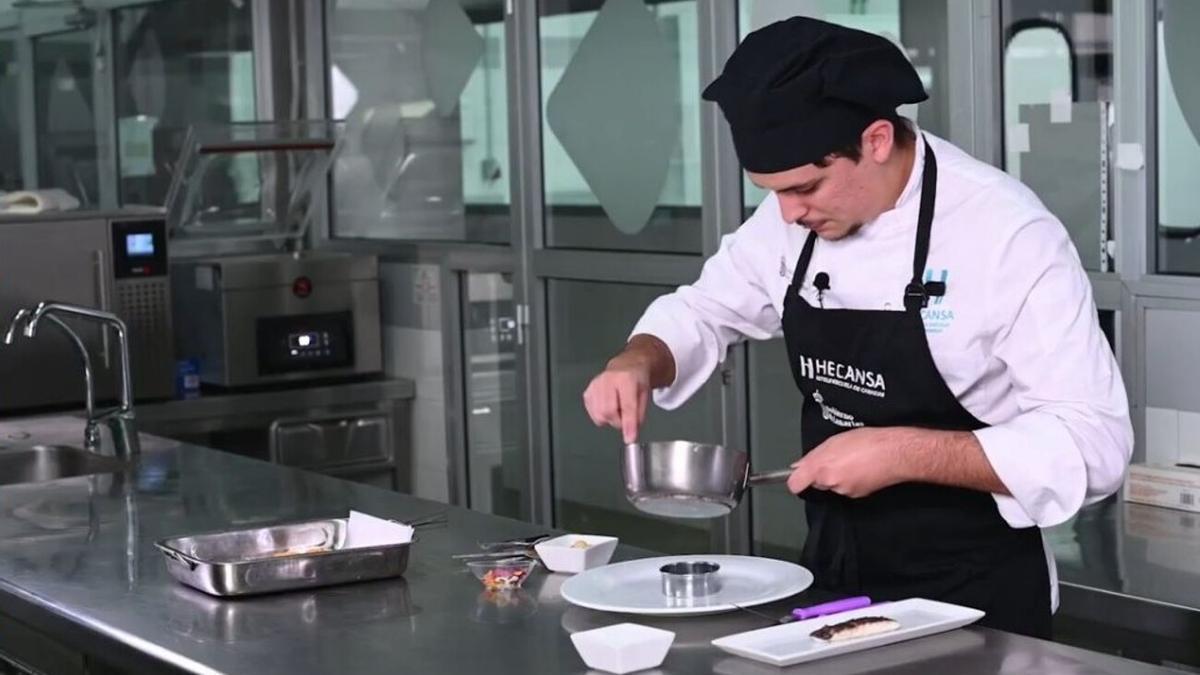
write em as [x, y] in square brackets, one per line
[173, 72]
[1178, 98]
[1057, 106]
[423, 89]
[65, 114]
[621, 124]
[10, 111]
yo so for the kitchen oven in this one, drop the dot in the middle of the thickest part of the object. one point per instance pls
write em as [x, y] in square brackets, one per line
[261, 319]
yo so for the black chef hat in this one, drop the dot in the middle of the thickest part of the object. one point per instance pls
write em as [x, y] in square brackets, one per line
[796, 90]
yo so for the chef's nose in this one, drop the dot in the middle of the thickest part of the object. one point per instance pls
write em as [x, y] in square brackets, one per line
[791, 207]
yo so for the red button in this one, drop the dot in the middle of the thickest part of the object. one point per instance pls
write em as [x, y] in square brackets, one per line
[302, 287]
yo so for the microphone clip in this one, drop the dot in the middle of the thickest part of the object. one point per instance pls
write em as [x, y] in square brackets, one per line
[821, 283]
[916, 294]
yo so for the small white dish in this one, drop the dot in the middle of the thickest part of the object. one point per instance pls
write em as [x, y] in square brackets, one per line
[566, 554]
[623, 648]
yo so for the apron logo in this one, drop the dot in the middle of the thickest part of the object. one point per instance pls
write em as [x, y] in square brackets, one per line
[935, 318]
[842, 375]
[833, 415]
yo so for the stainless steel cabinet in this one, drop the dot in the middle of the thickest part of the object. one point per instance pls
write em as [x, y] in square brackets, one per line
[358, 431]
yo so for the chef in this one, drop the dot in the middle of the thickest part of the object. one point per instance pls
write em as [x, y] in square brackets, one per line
[958, 393]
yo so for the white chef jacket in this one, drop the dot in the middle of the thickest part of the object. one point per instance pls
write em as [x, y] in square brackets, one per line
[1015, 337]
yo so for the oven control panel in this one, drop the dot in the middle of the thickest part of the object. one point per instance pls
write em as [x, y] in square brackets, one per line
[305, 342]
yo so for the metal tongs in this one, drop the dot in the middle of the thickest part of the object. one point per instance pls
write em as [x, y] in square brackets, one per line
[438, 518]
[509, 548]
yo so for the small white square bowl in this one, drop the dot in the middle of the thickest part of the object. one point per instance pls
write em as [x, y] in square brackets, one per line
[561, 555]
[623, 648]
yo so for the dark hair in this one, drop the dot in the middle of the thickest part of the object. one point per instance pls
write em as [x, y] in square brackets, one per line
[901, 129]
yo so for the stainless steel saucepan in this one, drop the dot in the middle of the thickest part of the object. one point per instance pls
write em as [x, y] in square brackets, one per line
[679, 479]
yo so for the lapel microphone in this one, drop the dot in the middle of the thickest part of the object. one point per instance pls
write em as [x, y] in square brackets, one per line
[821, 283]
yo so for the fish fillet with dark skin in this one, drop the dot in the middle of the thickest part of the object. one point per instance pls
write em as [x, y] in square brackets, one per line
[855, 628]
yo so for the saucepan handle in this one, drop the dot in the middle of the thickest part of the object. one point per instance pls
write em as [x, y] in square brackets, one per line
[769, 477]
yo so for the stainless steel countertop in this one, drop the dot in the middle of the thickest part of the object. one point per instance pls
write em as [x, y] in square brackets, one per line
[1133, 567]
[77, 561]
[1143, 551]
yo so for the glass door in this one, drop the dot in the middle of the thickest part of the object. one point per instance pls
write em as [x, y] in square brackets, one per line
[493, 405]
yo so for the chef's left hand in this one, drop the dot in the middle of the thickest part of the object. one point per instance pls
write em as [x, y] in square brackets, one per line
[853, 463]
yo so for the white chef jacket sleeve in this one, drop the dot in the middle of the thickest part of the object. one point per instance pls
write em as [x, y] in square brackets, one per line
[1070, 440]
[729, 302]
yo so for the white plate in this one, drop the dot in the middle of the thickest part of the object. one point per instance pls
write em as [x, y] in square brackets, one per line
[635, 586]
[791, 643]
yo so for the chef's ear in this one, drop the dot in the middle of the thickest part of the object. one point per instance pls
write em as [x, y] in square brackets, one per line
[879, 141]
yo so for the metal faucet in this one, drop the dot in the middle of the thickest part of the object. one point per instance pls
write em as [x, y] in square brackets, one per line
[91, 433]
[120, 420]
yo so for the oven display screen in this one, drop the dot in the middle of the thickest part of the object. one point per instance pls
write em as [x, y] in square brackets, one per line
[305, 340]
[139, 244]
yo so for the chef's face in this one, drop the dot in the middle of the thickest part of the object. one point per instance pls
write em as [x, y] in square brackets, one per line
[835, 198]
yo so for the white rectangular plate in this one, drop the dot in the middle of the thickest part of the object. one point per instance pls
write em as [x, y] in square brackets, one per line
[792, 643]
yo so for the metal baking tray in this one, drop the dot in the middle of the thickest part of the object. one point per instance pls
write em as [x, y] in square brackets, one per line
[278, 558]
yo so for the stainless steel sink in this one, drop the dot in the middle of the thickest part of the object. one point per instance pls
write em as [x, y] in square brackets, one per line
[50, 462]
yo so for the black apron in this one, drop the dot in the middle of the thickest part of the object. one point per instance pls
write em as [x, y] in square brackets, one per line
[874, 368]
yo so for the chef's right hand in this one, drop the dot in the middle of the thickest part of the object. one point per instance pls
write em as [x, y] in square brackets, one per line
[618, 396]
